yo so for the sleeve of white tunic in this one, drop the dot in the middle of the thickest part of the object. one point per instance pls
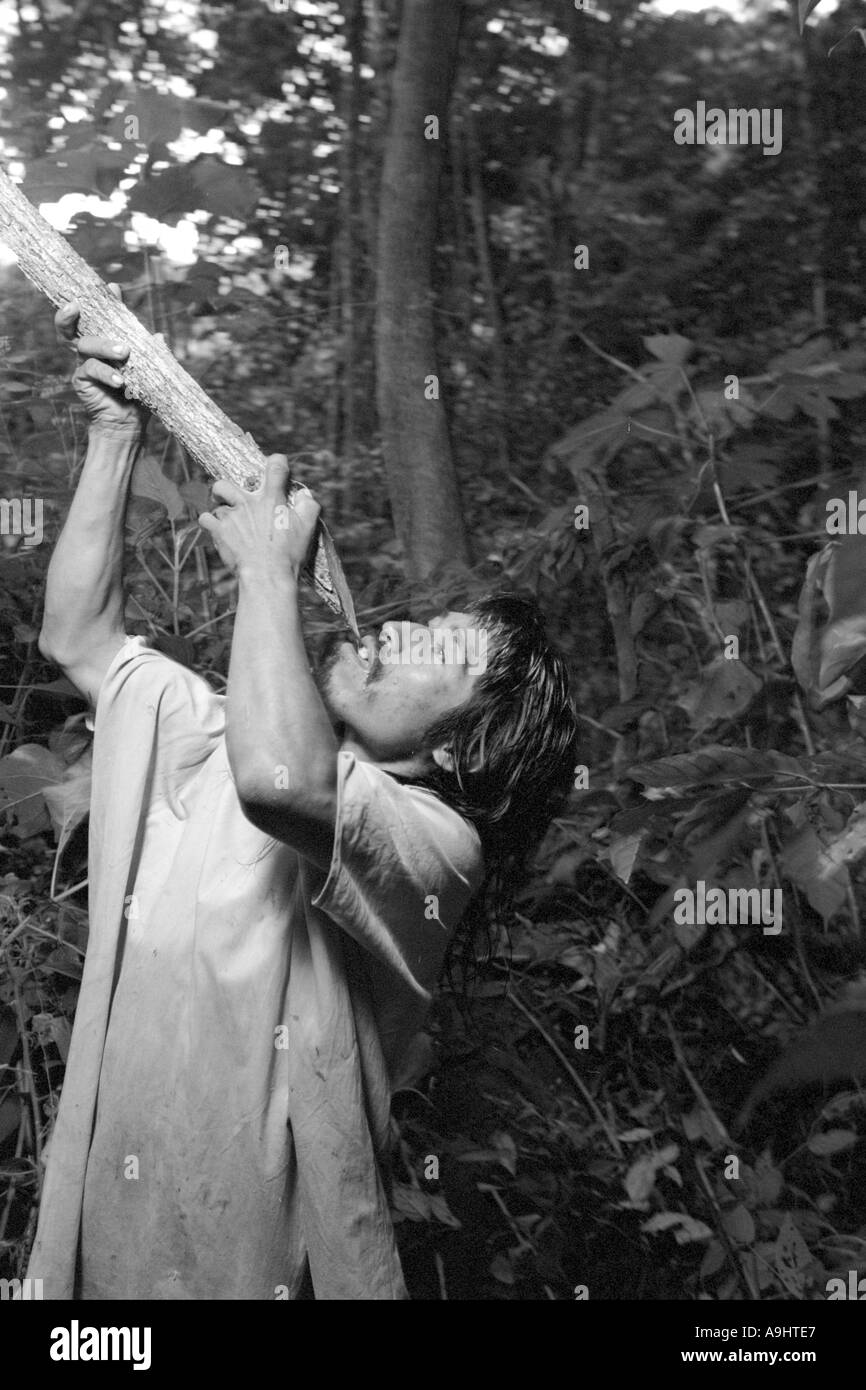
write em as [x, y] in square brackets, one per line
[403, 868]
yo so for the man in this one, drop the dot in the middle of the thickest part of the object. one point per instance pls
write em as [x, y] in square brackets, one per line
[275, 877]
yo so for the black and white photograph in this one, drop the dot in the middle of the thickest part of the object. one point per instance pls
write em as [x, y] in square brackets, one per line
[432, 670]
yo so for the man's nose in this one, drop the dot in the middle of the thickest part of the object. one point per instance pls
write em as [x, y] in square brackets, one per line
[398, 635]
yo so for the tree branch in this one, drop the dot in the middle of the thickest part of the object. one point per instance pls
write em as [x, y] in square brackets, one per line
[151, 373]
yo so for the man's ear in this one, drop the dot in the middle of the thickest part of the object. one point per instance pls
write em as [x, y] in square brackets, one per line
[444, 758]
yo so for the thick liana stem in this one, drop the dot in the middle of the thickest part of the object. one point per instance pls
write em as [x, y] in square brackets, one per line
[151, 373]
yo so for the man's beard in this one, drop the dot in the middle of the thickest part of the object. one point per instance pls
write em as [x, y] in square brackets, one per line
[326, 658]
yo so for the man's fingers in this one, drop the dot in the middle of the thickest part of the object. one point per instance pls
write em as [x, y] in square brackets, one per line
[277, 475]
[94, 370]
[92, 346]
[66, 325]
[227, 491]
[304, 504]
[66, 320]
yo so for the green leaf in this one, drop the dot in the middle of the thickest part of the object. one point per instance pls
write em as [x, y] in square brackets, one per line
[739, 1225]
[168, 196]
[825, 886]
[94, 170]
[24, 775]
[713, 1259]
[833, 1141]
[623, 853]
[763, 1183]
[669, 348]
[685, 1228]
[502, 1269]
[725, 691]
[163, 117]
[804, 9]
[68, 800]
[791, 1256]
[10, 1116]
[861, 32]
[640, 1179]
[148, 480]
[714, 765]
[226, 189]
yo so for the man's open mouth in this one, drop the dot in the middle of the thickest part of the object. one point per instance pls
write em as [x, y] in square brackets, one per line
[365, 654]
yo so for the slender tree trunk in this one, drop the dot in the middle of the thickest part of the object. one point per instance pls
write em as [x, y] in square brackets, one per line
[418, 459]
[482, 253]
[332, 415]
[349, 240]
[565, 231]
[809, 63]
[462, 282]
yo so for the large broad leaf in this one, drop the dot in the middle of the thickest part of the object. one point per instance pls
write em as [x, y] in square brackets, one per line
[159, 116]
[791, 1256]
[148, 480]
[68, 800]
[712, 766]
[94, 169]
[724, 691]
[640, 1179]
[824, 880]
[823, 654]
[861, 32]
[623, 853]
[832, 1141]
[416, 1205]
[225, 190]
[24, 775]
[805, 8]
[669, 348]
[685, 1228]
[167, 196]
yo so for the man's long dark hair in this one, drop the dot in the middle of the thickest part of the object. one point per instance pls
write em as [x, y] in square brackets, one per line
[513, 746]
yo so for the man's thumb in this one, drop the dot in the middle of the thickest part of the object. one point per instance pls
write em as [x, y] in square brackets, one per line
[277, 476]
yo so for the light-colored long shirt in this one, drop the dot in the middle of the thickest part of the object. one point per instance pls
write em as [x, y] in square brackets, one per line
[241, 1018]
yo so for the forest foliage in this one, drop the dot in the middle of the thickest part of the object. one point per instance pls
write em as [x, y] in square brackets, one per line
[559, 1166]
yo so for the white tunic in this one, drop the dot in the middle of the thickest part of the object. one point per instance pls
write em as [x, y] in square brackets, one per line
[241, 1017]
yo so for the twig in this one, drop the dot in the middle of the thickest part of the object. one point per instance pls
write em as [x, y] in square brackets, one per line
[614, 361]
[742, 1272]
[693, 1081]
[440, 1272]
[557, 1052]
[27, 1066]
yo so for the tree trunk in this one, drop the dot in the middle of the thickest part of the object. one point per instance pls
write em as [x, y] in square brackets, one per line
[485, 270]
[420, 468]
[462, 281]
[151, 374]
[350, 110]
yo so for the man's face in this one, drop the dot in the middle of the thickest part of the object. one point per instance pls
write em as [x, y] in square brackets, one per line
[408, 675]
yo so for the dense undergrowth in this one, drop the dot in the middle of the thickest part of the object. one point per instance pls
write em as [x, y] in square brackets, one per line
[534, 1160]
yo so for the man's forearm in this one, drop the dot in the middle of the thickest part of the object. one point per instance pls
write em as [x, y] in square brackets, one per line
[84, 591]
[274, 714]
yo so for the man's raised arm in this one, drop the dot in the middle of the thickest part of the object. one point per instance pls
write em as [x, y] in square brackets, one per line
[83, 623]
